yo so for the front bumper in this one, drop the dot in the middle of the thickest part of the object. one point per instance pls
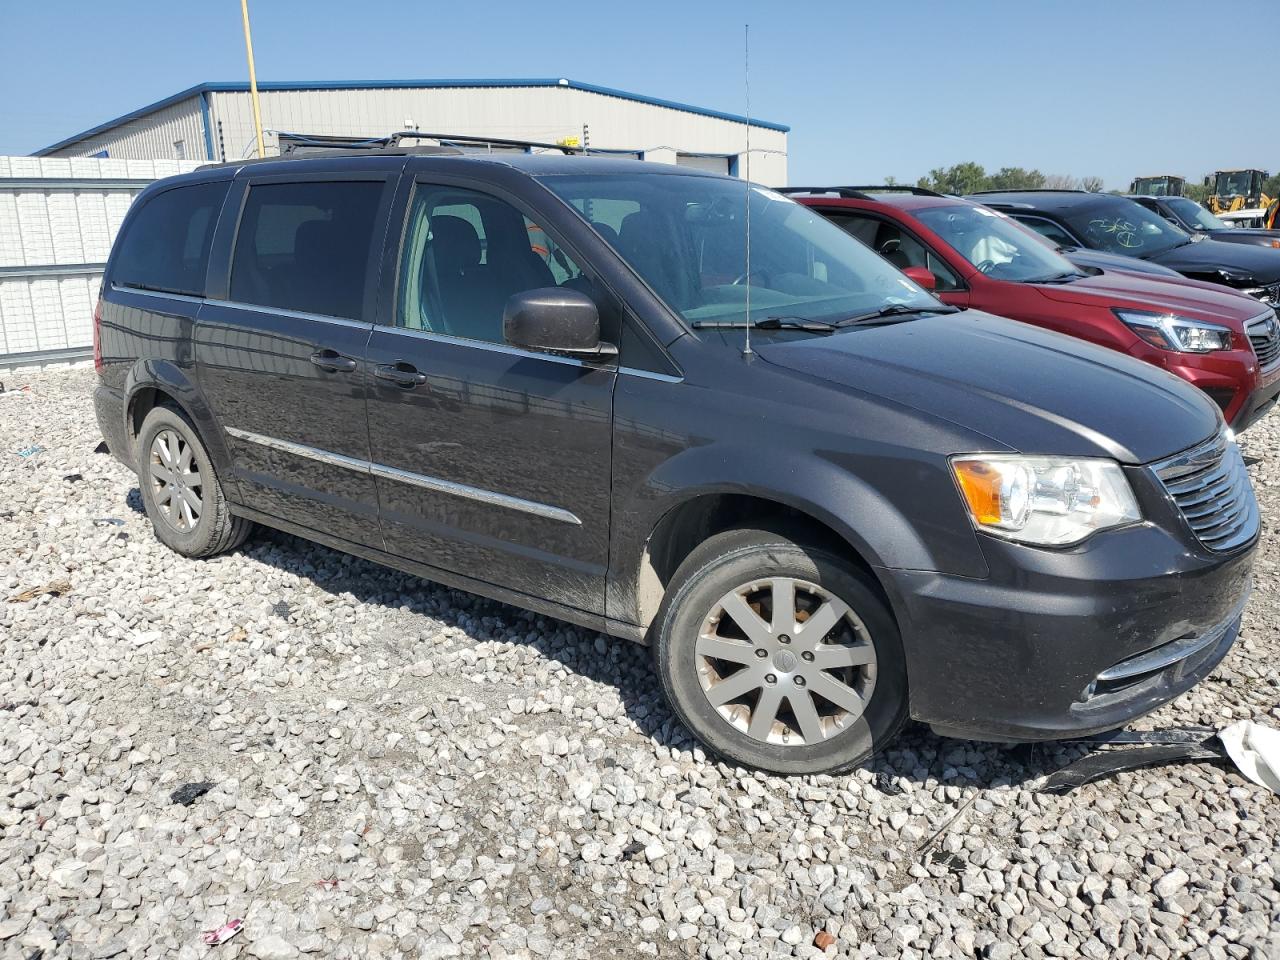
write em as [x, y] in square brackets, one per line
[1060, 643]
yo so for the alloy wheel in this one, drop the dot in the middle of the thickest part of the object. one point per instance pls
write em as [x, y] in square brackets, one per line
[177, 485]
[785, 661]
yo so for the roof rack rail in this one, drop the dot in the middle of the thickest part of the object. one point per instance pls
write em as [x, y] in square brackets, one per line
[860, 192]
[897, 188]
[974, 193]
[844, 192]
[318, 145]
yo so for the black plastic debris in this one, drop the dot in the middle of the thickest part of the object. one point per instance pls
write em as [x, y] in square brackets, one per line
[73, 477]
[632, 850]
[189, 793]
[101, 447]
[886, 785]
[1106, 763]
[953, 862]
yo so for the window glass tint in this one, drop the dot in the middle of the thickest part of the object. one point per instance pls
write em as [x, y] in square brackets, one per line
[466, 253]
[995, 244]
[306, 246]
[166, 246]
[1049, 230]
[898, 247]
[1124, 227]
[686, 237]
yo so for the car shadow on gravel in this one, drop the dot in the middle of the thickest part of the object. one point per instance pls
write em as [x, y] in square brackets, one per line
[917, 755]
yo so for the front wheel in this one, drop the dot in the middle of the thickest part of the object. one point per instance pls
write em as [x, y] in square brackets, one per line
[781, 655]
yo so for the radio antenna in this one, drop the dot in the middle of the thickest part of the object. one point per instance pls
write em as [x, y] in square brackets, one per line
[746, 83]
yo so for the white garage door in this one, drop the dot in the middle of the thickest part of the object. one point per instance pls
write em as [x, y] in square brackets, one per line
[701, 161]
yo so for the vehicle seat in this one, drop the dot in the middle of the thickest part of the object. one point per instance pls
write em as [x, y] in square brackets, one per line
[470, 306]
[889, 246]
[638, 244]
[315, 281]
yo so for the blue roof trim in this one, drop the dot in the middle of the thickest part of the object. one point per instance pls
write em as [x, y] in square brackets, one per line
[203, 89]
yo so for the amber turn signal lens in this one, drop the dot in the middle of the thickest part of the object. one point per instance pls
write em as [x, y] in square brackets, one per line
[981, 487]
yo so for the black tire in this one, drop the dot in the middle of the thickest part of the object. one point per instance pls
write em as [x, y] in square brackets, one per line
[726, 562]
[215, 530]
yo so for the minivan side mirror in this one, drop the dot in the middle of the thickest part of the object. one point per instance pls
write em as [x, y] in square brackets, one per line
[922, 275]
[555, 319]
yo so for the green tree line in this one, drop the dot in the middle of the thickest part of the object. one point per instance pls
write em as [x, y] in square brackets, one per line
[970, 177]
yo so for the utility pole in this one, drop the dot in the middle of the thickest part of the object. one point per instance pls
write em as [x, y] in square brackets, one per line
[253, 79]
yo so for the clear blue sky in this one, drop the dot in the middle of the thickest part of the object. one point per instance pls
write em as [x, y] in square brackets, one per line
[1111, 89]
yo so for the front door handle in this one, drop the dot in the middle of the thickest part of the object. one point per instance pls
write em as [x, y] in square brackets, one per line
[332, 361]
[401, 373]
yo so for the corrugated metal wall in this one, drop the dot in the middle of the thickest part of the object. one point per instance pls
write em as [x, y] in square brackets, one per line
[527, 113]
[150, 137]
[58, 218]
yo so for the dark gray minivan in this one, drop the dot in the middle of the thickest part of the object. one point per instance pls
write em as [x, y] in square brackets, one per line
[530, 377]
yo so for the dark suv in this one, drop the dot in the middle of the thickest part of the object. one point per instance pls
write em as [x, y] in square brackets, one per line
[1100, 221]
[530, 377]
[1190, 216]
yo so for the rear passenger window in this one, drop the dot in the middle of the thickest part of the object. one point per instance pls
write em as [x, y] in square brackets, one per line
[166, 246]
[306, 246]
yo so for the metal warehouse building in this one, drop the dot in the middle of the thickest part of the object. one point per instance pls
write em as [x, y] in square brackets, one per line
[214, 121]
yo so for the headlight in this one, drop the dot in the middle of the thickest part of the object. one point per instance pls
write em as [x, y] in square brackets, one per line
[1044, 500]
[1171, 332]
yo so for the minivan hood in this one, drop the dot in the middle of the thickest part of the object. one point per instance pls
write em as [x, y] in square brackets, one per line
[1208, 256]
[1199, 301]
[1028, 389]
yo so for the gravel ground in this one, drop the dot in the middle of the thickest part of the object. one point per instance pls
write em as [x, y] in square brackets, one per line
[399, 770]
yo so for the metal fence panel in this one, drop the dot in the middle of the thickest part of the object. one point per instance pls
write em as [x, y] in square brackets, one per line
[58, 219]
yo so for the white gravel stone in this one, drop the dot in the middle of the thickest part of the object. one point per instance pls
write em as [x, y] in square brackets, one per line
[400, 770]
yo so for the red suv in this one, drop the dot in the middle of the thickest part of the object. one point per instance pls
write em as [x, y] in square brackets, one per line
[1226, 344]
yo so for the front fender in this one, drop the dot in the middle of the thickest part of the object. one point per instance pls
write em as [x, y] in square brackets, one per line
[854, 504]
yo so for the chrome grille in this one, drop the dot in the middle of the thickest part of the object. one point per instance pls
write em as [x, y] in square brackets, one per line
[1264, 335]
[1211, 488]
[1271, 294]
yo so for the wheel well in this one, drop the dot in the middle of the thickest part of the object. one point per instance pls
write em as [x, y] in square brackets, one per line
[689, 524]
[143, 402]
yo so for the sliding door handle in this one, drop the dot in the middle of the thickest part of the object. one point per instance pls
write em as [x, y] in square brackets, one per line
[332, 361]
[400, 373]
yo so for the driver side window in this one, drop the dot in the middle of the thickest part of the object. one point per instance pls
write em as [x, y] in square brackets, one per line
[898, 247]
[465, 254]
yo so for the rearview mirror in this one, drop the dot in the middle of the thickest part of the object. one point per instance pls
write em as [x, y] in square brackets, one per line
[555, 319]
[921, 275]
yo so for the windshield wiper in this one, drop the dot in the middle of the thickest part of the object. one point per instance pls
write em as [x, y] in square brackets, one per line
[768, 323]
[893, 313]
[1067, 277]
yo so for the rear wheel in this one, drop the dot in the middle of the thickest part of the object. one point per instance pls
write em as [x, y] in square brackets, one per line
[180, 490]
[781, 655]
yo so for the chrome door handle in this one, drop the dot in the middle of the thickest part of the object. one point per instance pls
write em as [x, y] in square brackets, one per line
[333, 361]
[400, 373]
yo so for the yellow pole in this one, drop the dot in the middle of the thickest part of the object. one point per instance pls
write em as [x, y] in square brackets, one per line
[253, 79]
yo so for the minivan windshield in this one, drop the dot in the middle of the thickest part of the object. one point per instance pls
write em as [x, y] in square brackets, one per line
[994, 245]
[1192, 212]
[686, 236]
[1123, 226]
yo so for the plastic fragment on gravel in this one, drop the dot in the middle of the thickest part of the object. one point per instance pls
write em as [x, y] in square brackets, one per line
[30, 451]
[1255, 750]
[54, 588]
[223, 933]
[189, 793]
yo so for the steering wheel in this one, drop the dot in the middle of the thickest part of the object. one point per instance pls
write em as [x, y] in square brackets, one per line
[742, 277]
[986, 266]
